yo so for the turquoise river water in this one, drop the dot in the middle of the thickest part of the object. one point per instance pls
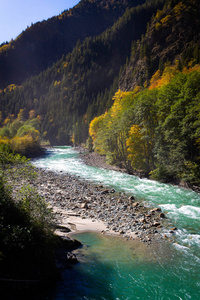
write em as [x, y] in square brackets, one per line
[111, 268]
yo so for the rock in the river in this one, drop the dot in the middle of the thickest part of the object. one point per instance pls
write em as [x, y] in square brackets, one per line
[70, 244]
[174, 228]
[156, 209]
[71, 258]
[162, 215]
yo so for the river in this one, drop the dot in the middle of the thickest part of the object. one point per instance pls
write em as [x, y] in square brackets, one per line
[112, 269]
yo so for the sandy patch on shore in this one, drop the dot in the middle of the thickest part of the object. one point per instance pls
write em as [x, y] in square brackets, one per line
[85, 224]
[68, 219]
[80, 205]
[77, 224]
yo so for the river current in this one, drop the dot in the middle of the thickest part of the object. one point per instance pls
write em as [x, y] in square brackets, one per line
[111, 269]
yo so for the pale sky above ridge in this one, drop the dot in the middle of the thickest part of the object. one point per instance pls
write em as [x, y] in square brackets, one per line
[16, 15]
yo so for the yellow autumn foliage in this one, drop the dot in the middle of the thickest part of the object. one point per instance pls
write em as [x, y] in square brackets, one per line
[23, 144]
[136, 148]
[159, 80]
[95, 125]
[179, 8]
[118, 99]
[158, 14]
[20, 134]
[56, 83]
[194, 68]
[4, 140]
[155, 79]
[5, 47]
[164, 21]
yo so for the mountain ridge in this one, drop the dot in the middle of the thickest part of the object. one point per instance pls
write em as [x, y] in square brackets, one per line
[75, 85]
[42, 44]
[172, 36]
[80, 86]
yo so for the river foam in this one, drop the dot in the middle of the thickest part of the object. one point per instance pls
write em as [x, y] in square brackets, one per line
[174, 278]
[182, 206]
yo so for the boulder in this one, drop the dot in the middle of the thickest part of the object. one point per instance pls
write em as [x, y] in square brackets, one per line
[156, 209]
[156, 224]
[174, 228]
[135, 204]
[71, 258]
[162, 215]
[142, 220]
[84, 205]
[105, 192]
[69, 243]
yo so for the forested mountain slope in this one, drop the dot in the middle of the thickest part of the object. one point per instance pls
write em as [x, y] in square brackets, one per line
[80, 86]
[39, 46]
[75, 89]
[152, 54]
[172, 37]
[152, 128]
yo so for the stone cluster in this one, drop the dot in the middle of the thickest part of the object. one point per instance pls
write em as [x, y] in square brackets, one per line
[121, 213]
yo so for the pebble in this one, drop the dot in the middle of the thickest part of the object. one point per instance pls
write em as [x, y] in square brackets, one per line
[118, 210]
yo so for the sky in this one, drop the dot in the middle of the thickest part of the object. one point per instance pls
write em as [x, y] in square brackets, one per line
[16, 15]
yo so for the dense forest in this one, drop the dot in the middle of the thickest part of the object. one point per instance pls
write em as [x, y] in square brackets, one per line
[155, 131]
[43, 43]
[143, 55]
[121, 78]
[69, 94]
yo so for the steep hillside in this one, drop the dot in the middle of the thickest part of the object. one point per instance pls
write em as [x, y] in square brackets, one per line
[153, 125]
[75, 89]
[172, 37]
[39, 46]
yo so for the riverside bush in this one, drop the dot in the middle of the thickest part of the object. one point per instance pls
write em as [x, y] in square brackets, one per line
[26, 240]
[34, 206]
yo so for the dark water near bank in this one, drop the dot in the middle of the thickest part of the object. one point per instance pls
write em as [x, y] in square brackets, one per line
[113, 269]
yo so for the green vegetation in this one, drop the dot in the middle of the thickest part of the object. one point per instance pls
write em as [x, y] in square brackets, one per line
[154, 130]
[27, 241]
[140, 49]
[172, 35]
[22, 135]
[80, 86]
[44, 43]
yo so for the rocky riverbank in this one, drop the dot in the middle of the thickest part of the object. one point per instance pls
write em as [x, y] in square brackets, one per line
[80, 205]
[96, 160]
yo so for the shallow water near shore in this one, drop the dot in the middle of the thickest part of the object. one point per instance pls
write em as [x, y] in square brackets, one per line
[109, 269]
